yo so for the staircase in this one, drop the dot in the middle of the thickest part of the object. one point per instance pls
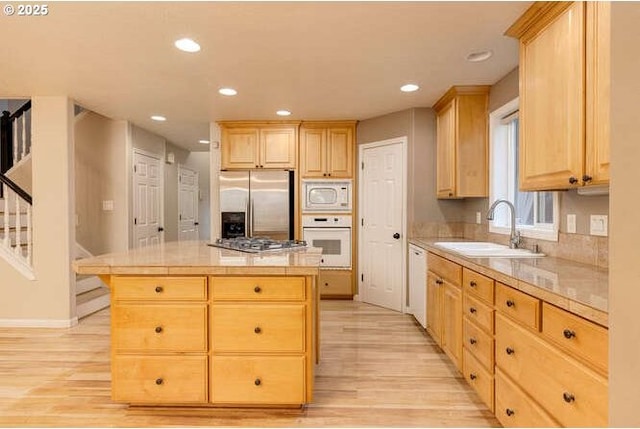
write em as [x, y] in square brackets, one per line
[91, 294]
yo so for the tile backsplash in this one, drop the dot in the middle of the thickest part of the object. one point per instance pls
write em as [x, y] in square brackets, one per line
[586, 249]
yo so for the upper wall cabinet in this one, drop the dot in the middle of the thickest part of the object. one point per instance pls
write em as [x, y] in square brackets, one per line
[250, 145]
[461, 139]
[564, 94]
[327, 149]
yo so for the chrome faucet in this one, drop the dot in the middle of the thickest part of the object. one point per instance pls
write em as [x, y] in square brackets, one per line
[514, 240]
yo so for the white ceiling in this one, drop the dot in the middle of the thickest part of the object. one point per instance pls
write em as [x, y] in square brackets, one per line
[320, 60]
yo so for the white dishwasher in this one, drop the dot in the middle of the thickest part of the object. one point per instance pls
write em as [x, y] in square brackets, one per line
[418, 283]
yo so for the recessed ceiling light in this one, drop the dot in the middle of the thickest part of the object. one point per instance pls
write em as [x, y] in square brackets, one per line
[158, 118]
[410, 87]
[187, 45]
[476, 57]
[227, 91]
[203, 141]
[283, 113]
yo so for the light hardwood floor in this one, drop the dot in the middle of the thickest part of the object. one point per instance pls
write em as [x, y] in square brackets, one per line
[378, 368]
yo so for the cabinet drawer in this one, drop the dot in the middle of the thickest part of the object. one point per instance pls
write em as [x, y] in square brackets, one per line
[518, 305]
[278, 328]
[478, 343]
[335, 283]
[258, 288]
[478, 378]
[159, 288]
[477, 285]
[161, 379]
[514, 408]
[169, 327]
[257, 380]
[582, 337]
[573, 394]
[444, 268]
[481, 314]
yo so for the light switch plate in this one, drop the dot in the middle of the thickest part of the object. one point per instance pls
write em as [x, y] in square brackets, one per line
[571, 223]
[107, 205]
[599, 225]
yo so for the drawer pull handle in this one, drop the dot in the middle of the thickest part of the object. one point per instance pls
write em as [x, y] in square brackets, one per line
[510, 351]
[472, 376]
[257, 330]
[473, 284]
[159, 381]
[472, 341]
[568, 334]
[159, 289]
[568, 397]
[509, 412]
[472, 310]
[510, 303]
[158, 329]
[257, 289]
[439, 282]
[258, 382]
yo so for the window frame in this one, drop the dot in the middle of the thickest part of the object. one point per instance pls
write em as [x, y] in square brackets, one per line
[501, 152]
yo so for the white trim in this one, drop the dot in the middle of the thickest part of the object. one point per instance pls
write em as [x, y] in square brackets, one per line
[38, 323]
[20, 265]
[404, 242]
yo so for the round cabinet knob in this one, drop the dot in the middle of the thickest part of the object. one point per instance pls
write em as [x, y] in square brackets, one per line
[158, 329]
[472, 310]
[257, 330]
[473, 284]
[568, 334]
[573, 180]
[586, 178]
[568, 397]
[159, 381]
[510, 303]
[326, 284]
[257, 289]
[159, 289]
[472, 376]
[472, 341]
[509, 412]
[509, 351]
[257, 382]
[451, 194]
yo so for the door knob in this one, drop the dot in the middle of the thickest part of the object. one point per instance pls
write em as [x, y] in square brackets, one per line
[396, 236]
[160, 229]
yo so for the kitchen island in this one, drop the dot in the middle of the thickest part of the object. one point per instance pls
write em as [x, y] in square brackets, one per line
[197, 325]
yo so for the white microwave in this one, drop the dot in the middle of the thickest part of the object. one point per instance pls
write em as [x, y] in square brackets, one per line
[326, 195]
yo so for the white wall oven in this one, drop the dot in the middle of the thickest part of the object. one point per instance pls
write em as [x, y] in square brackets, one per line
[333, 235]
[326, 196]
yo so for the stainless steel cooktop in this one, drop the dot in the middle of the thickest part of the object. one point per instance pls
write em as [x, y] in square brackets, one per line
[257, 244]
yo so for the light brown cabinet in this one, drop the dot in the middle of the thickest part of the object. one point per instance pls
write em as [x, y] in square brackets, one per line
[462, 142]
[251, 145]
[335, 284]
[564, 94]
[452, 323]
[327, 149]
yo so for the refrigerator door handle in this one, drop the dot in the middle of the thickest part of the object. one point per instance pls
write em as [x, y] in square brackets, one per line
[251, 226]
[247, 217]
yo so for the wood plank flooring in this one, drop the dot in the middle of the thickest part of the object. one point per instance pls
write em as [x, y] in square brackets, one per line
[378, 368]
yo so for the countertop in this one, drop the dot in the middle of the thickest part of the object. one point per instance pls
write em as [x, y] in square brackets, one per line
[197, 258]
[579, 288]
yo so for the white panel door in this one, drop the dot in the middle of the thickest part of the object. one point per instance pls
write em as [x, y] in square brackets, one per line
[147, 200]
[382, 214]
[187, 204]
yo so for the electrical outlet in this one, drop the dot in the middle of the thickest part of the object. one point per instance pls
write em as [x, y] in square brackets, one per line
[478, 218]
[598, 225]
[571, 223]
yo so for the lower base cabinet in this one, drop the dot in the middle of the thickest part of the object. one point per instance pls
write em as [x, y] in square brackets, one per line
[335, 284]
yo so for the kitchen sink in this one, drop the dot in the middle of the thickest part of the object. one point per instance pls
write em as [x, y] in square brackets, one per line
[484, 249]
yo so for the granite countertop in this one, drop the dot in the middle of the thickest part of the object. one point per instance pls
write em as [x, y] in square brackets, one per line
[579, 288]
[197, 258]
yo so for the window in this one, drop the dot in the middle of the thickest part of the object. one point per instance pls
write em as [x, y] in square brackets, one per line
[536, 212]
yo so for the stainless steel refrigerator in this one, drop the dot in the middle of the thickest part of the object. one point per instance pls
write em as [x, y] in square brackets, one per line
[256, 204]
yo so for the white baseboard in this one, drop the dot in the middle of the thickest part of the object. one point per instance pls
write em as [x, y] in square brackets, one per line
[356, 297]
[38, 323]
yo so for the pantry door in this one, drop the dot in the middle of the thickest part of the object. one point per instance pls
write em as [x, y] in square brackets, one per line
[148, 181]
[187, 204]
[382, 224]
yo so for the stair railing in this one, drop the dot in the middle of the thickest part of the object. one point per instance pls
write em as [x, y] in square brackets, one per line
[16, 213]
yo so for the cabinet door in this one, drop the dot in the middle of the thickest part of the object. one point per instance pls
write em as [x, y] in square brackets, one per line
[239, 148]
[552, 63]
[598, 92]
[313, 161]
[452, 323]
[278, 147]
[446, 152]
[471, 146]
[434, 312]
[340, 152]
[335, 283]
